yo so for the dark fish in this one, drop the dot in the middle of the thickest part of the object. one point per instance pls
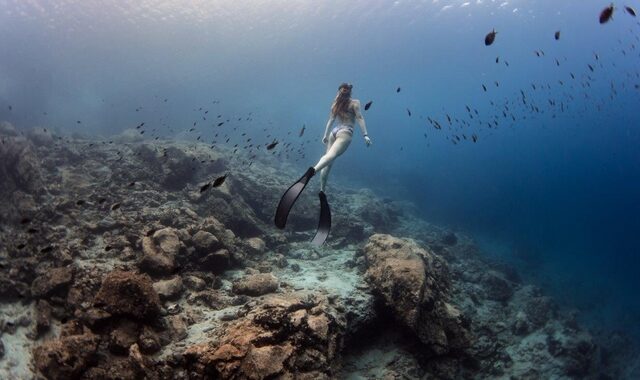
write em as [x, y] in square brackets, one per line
[300, 135]
[80, 202]
[102, 200]
[272, 145]
[630, 10]
[398, 89]
[484, 88]
[10, 108]
[47, 249]
[409, 111]
[108, 248]
[115, 206]
[21, 245]
[606, 14]
[590, 67]
[368, 105]
[557, 35]
[150, 232]
[205, 187]
[498, 59]
[25, 221]
[79, 122]
[132, 184]
[490, 37]
[474, 137]
[219, 181]
[32, 230]
[220, 123]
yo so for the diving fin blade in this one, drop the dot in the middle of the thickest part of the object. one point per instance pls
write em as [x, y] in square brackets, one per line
[324, 225]
[289, 198]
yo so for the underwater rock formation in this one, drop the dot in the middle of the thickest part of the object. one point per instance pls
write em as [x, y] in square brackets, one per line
[413, 283]
[138, 277]
[290, 335]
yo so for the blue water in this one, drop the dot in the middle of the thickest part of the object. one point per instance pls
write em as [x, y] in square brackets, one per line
[554, 192]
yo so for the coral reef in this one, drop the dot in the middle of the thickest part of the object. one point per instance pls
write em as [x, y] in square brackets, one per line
[115, 265]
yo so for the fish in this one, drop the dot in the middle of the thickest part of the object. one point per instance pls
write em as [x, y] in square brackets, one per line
[409, 111]
[490, 37]
[205, 187]
[220, 123]
[21, 245]
[115, 206]
[630, 10]
[219, 181]
[368, 105]
[484, 88]
[80, 202]
[606, 14]
[590, 67]
[557, 35]
[102, 200]
[299, 135]
[32, 230]
[398, 89]
[25, 221]
[47, 249]
[132, 184]
[272, 145]
[10, 108]
[108, 248]
[498, 59]
[474, 137]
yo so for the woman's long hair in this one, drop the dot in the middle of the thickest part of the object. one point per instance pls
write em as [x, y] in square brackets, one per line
[341, 105]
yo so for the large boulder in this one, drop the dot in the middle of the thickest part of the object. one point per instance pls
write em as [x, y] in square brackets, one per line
[52, 282]
[412, 283]
[20, 176]
[289, 336]
[128, 294]
[256, 284]
[66, 358]
[159, 252]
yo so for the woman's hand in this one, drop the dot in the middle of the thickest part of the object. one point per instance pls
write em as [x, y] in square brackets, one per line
[367, 140]
[325, 140]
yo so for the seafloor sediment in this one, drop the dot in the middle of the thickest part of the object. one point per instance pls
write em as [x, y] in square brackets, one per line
[114, 265]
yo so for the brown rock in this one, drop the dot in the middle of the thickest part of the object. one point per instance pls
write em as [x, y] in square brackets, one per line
[122, 337]
[413, 284]
[149, 342]
[154, 261]
[128, 294]
[170, 289]
[256, 245]
[256, 284]
[293, 335]
[216, 262]
[265, 362]
[53, 281]
[66, 358]
[205, 241]
[43, 317]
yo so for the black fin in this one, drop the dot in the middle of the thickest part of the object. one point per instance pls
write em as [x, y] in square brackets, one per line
[289, 198]
[324, 225]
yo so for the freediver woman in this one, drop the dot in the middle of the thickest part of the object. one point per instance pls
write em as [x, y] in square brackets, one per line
[346, 111]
